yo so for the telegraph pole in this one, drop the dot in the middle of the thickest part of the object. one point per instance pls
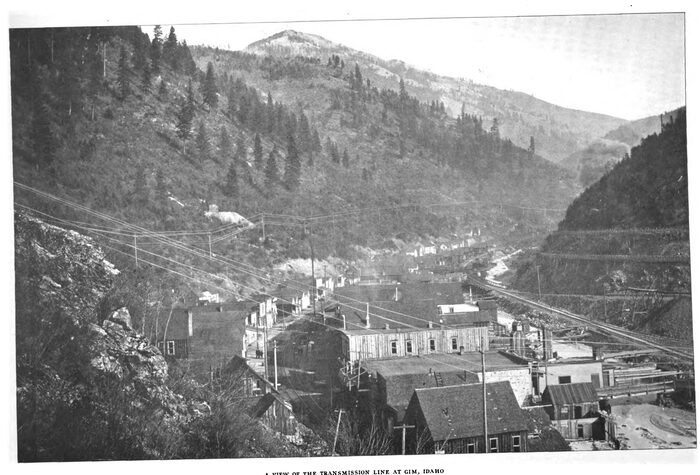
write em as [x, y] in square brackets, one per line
[209, 244]
[275, 353]
[263, 228]
[483, 384]
[337, 429]
[136, 253]
[313, 275]
[605, 304]
[539, 287]
[403, 428]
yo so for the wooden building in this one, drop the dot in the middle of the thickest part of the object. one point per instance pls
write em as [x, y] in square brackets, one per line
[450, 419]
[205, 337]
[574, 410]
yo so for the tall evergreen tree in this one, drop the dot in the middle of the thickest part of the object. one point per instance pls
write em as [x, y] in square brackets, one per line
[292, 169]
[185, 116]
[209, 90]
[241, 156]
[161, 189]
[258, 152]
[231, 183]
[225, 144]
[146, 78]
[123, 75]
[203, 147]
[346, 159]
[271, 168]
[171, 55]
[42, 137]
[156, 49]
[140, 186]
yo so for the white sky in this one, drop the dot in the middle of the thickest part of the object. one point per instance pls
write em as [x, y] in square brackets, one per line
[629, 66]
[626, 65]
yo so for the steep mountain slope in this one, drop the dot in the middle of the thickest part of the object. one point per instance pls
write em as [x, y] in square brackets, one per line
[625, 233]
[598, 157]
[558, 131]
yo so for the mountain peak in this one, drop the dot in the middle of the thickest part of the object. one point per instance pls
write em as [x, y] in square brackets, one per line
[292, 41]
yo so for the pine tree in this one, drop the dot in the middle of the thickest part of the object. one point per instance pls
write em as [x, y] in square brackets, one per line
[335, 156]
[241, 156]
[271, 168]
[43, 139]
[162, 88]
[161, 189]
[185, 117]
[170, 50]
[225, 144]
[146, 78]
[203, 147]
[531, 148]
[258, 152]
[123, 75]
[156, 49]
[292, 170]
[209, 90]
[346, 159]
[231, 184]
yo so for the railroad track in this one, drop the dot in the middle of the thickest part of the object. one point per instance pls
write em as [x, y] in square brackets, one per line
[612, 330]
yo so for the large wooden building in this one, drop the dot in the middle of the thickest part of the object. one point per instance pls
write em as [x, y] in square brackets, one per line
[450, 419]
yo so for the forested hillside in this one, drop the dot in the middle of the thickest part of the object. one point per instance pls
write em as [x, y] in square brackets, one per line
[557, 130]
[626, 233]
[129, 125]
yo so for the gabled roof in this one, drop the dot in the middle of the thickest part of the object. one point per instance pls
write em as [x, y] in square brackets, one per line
[457, 412]
[572, 393]
[399, 388]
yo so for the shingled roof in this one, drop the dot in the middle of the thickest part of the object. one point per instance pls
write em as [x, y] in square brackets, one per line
[572, 393]
[457, 412]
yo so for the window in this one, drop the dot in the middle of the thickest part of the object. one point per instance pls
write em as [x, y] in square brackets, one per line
[564, 379]
[493, 444]
[171, 347]
[431, 344]
[454, 344]
[452, 310]
[516, 443]
[578, 412]
[471, 448]
[565, 412]
[409, 347]
[394, 349]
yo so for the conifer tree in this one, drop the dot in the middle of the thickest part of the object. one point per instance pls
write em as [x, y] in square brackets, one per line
[156, 49]
[43, 139]
[161, 190]
[162, 88]
[123, 75]
[346, 159]
[225, 144]
[140, 187]
[271, 168]
[203, 147]
[241, 156]
[209, 90]
[258, 152]
[231, 183]
[146, 78]
[170, 50]
[292, 169]
[185, 116]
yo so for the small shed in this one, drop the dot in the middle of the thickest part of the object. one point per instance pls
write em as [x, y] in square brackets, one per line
[574, 410]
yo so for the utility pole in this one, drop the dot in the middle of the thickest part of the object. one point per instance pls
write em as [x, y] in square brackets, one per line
[265, 350]
[275, 353]
[539, 287]
[209, 244]
[483, 384]
[605, 305]
[337, 429]
[403, 428]
[313, 275]
[136, 253]
[104, 59]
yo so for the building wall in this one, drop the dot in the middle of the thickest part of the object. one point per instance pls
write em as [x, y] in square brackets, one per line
[520, 381]
[578, 372]
[569, 429]
[379, 345]
[505, 443]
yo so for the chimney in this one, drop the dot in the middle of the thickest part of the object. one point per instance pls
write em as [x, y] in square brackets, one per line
[189, 323]
[396, 294]
[367, 316]
[470, 294]
[344, 326]
[430, 324]
[386, 326]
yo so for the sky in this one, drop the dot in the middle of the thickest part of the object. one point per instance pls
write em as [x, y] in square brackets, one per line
[628, 66]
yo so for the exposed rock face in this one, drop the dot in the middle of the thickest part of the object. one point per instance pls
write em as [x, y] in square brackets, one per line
[81, 383]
